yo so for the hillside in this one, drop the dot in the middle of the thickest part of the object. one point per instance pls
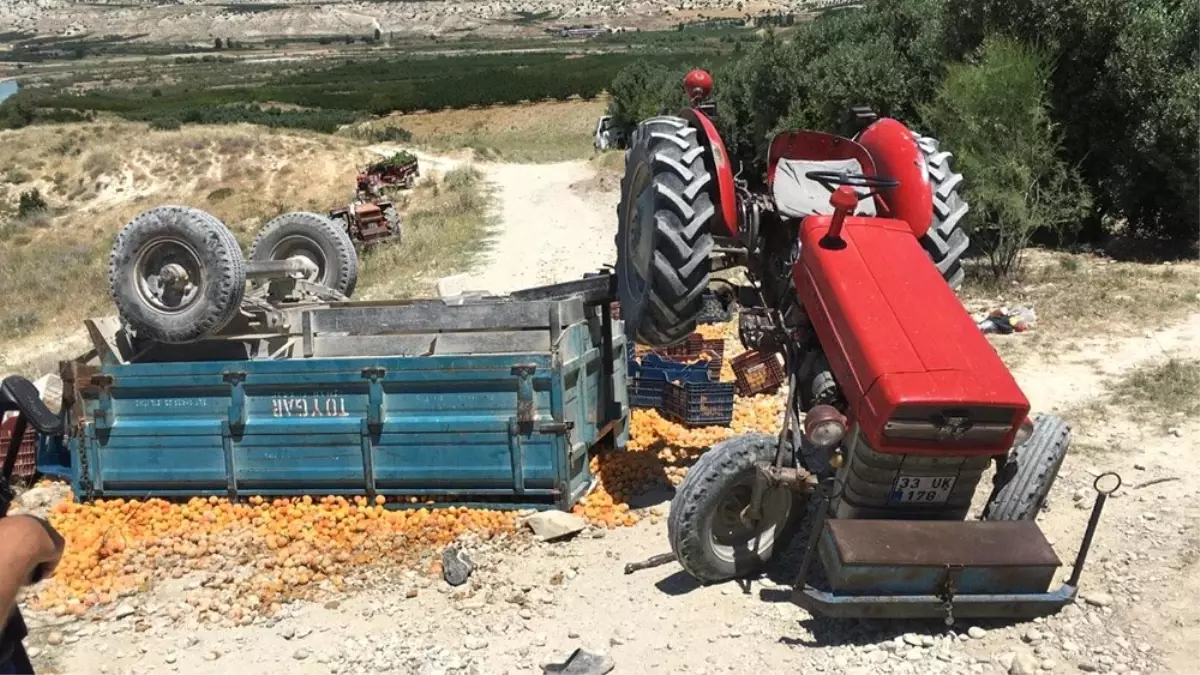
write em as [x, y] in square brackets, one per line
[204, 21]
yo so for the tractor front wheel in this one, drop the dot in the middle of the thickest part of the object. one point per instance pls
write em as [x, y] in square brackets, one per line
[710, 532]
[1023, 481]
[664, 236]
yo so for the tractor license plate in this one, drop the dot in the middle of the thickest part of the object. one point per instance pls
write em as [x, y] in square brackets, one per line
[922, 489]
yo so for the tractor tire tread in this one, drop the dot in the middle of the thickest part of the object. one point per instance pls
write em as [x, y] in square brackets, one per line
[680, 267]
[1021, 493]
[946, 241]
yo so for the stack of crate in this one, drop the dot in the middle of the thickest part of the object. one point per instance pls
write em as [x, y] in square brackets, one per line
[682, 382]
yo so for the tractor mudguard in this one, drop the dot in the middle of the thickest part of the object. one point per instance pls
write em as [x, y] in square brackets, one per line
[725, 197]
[897, 156]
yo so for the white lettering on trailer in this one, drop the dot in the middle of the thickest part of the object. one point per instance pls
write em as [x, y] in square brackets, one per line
[319, 404]
[169, 402]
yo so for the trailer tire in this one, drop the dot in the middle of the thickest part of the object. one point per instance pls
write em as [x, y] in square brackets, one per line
[1023, 481]
[199, 252]
[715, 489]
[664, 236]
[322, 240]
[946, 241]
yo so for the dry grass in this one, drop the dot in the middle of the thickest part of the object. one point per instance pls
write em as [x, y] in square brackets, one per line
[537, 132]
[1170, 388]
[1077, 297]
[445, 222]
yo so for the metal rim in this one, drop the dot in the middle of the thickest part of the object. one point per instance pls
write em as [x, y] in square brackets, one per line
[168, 275]
[729, 534]
[306, 248]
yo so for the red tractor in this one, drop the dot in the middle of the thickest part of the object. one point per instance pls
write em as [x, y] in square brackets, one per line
[369, 220]
[898, 405]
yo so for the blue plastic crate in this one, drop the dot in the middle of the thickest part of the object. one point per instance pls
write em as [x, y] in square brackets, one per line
[648, 379]
[699, 404]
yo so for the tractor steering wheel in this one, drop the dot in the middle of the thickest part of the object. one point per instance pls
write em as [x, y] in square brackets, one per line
[832, 180]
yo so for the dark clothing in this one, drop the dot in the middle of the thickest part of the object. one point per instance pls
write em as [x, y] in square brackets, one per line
[13, 659]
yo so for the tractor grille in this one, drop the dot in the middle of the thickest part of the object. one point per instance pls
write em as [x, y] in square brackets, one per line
[872, 485]
[975, 426]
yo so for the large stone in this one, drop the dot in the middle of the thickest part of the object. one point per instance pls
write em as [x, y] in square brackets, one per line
[551, 525]
[1023, 664]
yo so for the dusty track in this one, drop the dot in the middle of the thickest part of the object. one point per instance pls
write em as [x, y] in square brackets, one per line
[544, 230]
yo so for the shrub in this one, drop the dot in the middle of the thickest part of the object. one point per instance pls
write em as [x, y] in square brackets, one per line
[30, 203]
[165, 123]
[1125, 90]
[994, 113]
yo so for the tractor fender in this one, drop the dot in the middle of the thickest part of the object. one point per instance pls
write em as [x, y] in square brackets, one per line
[897, 156]
[725, 197]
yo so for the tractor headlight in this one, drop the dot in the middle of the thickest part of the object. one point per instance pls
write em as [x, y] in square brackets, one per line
[824, 426]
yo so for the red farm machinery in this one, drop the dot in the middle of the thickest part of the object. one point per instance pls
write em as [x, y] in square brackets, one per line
[897, 404]
[399, 170]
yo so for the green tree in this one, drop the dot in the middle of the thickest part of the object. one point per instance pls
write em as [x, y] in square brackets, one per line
[1126, 92]
[993, 112]
[643, 89]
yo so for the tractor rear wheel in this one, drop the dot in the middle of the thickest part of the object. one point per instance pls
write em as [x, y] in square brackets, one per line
[393, 219]
[707, 527]
[176, 274]
[664, 233]
[1022, 483]
[321, 240]
[946, 241]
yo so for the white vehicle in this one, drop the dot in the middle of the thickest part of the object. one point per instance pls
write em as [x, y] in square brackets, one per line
[608, 136]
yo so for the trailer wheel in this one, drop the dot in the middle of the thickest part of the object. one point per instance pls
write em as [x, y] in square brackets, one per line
[176, 274]
[708, 535]
[663, 232]
[1024, 480]
[946, 241]
[321, 240]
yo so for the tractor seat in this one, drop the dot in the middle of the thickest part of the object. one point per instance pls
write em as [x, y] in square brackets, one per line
[797, 196]
[18, 394]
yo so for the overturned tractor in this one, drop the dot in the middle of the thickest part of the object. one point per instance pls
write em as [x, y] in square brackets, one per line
[369, 221]
[898, 406]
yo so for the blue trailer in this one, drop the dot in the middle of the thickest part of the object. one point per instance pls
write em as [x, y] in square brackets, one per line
[498, 401]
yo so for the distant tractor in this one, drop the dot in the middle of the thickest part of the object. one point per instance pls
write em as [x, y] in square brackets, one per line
[369, 221]
[399, 170]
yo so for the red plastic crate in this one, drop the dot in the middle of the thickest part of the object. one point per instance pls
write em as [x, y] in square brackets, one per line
[26, 465]
[757, 372]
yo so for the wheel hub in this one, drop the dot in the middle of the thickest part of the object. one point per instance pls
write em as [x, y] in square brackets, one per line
[734, 531]
[169, 275]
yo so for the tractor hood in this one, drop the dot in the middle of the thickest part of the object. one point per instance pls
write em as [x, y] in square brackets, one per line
[901, 345]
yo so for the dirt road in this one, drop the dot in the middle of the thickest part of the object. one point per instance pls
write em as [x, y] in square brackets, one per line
[545, 230]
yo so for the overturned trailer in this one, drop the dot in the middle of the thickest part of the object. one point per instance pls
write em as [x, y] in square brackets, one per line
[497, 400]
